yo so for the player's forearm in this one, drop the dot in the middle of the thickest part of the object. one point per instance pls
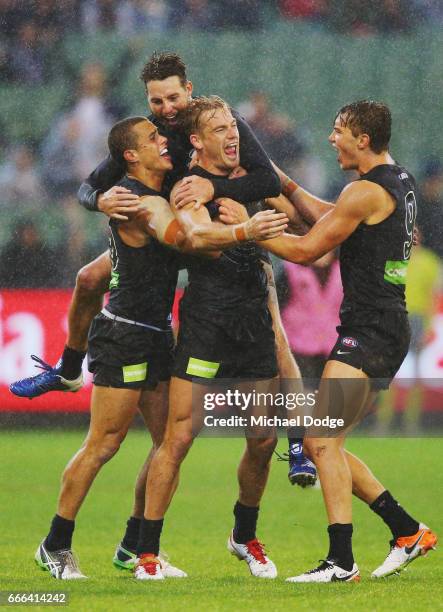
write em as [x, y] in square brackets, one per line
[308, 206]
[297, 224]
[292, 248]
[214, 236]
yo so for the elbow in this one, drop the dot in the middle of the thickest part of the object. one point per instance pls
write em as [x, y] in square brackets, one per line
[303, 258]
[83, 189]
[309, 257]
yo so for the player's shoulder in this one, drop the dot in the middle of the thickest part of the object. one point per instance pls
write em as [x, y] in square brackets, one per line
[361, 198]
[360, 190]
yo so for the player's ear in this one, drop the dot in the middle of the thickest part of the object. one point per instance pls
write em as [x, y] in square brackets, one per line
[196, 142]
[363, 141]
[130, 155]
[189, 88]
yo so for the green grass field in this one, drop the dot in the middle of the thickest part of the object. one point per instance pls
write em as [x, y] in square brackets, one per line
[292, 524]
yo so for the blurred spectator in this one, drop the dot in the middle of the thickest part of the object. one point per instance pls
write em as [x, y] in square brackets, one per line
[310, 311]
[13, 13]
[98, 15]
[430, 205]
[135, 16]
[239, 14]
[60, 156]
[6, 72]
[310, 10]
[394, 16]
[20, 180]
[77, 142]
[429, 10]
[192, 15]
[27, 262]
[276, 132]
[422, 283]
[364, 17]
[281, 140]
[27, 56]
[52, 17]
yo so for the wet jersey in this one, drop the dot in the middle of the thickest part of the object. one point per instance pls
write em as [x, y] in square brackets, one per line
[143, 279]
[374, 259]
[233, 280]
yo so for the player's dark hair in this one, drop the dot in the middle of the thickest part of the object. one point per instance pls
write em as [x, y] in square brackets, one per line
[371, 118]
[190, 117]
[121, 138]
[160, 66]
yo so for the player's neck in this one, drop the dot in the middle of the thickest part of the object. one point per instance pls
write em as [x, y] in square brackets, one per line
[153, 180]
[371, 160]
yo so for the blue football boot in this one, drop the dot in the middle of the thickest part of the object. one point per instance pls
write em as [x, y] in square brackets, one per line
[49, 380]
[302, 471]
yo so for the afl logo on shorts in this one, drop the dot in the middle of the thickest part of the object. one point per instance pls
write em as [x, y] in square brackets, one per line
[349, 342]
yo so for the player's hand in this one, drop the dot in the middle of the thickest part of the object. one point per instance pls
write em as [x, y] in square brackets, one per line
[118, 202]
[194, 189]
[231, 212]
[266, 224]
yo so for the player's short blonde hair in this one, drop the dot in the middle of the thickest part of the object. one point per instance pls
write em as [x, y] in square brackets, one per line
[192, 115]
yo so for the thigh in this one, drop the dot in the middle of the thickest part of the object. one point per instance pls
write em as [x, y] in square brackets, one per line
[112, 410]
[344, 393]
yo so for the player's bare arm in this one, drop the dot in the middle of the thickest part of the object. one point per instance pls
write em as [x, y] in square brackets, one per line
[297, 224]
[155, 218]
[359, 202]
[308, 206]
[229, 209]
[207, 235]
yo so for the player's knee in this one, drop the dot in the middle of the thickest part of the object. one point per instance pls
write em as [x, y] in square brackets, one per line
[178, 445]
[104, 449]
[316, 449]
[89, 280]
[262, 448]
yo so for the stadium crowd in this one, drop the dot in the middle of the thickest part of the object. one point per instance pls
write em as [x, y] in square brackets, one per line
[31, 31]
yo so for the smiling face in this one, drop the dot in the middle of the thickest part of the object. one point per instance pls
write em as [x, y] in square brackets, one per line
[217, 140]
[151, 150]
[168, 97]
[347, 145]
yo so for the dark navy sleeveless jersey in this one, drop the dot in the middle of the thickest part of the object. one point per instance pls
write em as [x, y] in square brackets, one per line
[143, 279]
[374, 259]
[232, 280]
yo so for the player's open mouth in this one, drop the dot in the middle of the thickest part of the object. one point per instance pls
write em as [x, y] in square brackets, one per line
[164, 153]
[231, 150]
